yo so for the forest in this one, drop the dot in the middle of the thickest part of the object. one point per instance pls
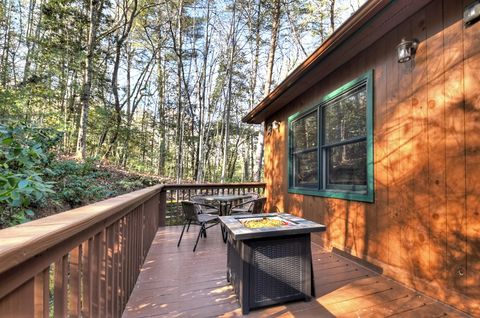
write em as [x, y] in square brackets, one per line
[157, 87]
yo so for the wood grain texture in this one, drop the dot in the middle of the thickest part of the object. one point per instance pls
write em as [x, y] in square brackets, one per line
[75, 270]
[98, 251]
[20, 303]
[177, 282]
[455, 145]
[424, 225]
[60, 291]
[471, 69]
[22, 242]
[42, 294]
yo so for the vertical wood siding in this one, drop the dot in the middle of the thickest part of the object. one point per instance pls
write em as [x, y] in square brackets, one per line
[424, 227]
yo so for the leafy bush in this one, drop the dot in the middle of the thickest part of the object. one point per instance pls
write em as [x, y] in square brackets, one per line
[77, 183]
[31, 179]
[24, 155]
[79, 190]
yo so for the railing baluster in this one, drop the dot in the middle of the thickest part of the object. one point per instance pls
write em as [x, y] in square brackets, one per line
[42, 294]
[162, 208]
[103, 273]
[177, 206]
[115, 267]
[135, 247]
[94, 279]
[87, 264]
[60, 289]
[74, 282]
[100, 261]
[124, 264]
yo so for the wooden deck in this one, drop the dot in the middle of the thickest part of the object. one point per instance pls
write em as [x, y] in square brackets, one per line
[175, 282]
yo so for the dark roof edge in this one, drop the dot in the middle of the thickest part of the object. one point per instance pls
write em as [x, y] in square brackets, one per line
[349, 27]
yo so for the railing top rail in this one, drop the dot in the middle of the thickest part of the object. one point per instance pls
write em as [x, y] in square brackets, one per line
[213, 185]
[21, 242]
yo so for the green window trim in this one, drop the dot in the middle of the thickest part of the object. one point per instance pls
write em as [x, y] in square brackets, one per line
[366, 194]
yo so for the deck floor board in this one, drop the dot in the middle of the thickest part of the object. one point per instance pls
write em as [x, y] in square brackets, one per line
[175, 282]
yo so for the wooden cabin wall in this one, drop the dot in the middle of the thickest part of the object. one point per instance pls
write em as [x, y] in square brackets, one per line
[424, 227]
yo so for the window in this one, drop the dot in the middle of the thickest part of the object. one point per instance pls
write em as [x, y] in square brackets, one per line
[330, 151]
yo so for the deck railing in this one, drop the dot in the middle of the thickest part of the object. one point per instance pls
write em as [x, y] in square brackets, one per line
[175, 193]
[85, 262]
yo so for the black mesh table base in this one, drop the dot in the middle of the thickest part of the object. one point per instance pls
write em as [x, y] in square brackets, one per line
[270, 271]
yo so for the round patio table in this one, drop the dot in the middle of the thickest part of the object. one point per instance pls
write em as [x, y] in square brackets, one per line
[225, 201]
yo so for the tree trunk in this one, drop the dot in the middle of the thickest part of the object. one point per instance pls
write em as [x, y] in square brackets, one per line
[178, 48]
[28, 42]
[120, 39]
[202, 98]
[332, 15]
[268, 83]
[6, 47]
[126, 145]
[255, 58]
[161, 112]
[229, 92]
[273, 46]
[95, 10]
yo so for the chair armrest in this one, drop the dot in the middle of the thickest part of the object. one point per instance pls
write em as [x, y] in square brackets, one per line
[244, 203]
[207, 205]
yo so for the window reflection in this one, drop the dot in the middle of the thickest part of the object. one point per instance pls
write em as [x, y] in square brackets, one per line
[347, 164]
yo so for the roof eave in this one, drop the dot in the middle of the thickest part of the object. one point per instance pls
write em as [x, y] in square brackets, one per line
[348, 29]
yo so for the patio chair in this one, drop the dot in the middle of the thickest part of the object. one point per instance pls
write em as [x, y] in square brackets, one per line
[192, 217]
[246, 205]
[202, 206]
[255, 206]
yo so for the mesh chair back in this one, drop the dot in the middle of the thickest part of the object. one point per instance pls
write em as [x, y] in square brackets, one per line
[259, 205]
[253, 196]
[189, 211]
[198, 198]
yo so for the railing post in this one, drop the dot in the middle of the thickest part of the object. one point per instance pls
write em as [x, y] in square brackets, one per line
[162, 208]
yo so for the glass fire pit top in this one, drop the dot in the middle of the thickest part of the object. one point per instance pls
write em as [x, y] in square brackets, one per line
[283, 224]
[262, 222]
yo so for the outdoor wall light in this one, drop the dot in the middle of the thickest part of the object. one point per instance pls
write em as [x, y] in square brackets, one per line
[274, 125]
[471, 14]
[406, 50]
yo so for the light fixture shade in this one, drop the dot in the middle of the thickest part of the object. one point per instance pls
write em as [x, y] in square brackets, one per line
[275, 125]
[406, 50]
[471, 14]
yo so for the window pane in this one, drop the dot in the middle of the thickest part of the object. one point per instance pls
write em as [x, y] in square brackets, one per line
[345, 118]
[306, 167]
[347, 164]
[305, 132]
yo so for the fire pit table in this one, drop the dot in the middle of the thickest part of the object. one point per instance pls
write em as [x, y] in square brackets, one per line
[269, 259]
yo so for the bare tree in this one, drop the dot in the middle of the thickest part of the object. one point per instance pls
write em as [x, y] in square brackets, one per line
[95, 11]
[126, 17]
[268, 81]
[232, 49]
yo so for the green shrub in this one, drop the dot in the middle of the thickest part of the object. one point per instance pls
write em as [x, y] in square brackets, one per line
[24, 155]
[31, 179]
[77, 183]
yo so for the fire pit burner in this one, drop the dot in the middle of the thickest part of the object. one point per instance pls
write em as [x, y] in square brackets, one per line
[261, 222]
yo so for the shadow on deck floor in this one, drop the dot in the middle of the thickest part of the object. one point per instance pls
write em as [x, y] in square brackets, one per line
[175, 282]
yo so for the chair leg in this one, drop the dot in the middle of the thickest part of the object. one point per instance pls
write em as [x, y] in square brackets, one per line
[181, 235]
[205, 232]
[224, 233]
[198, 236]
[189, 222]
